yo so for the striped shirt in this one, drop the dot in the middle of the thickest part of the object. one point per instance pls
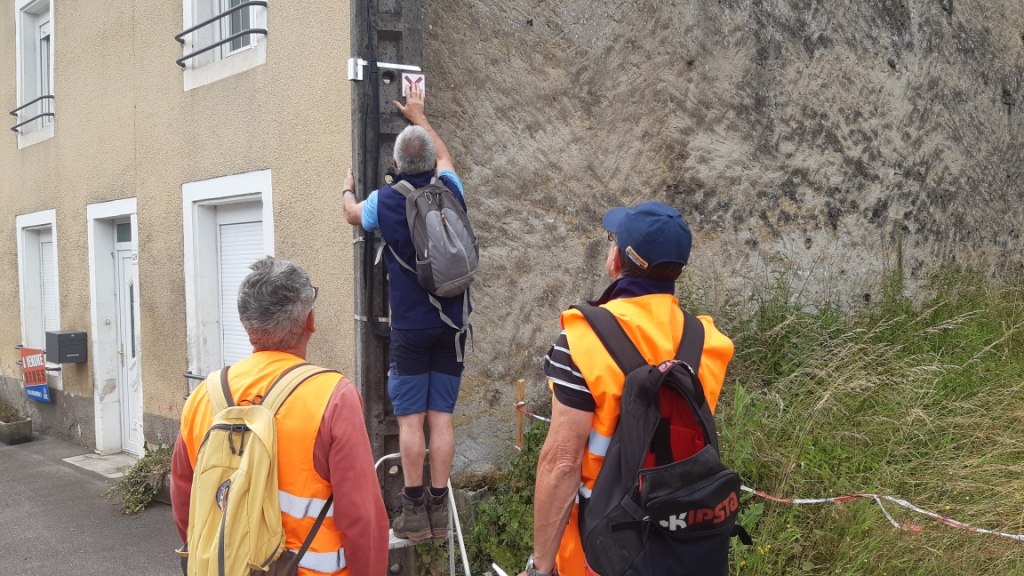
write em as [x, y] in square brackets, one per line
[569, 386]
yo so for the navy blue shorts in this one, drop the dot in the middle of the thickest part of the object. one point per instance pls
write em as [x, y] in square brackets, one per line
[425, 374]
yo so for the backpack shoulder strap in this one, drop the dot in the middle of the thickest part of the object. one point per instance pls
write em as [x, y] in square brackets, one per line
[403, 187]
[316, 528]
[613, 337]
[692, 345]
[218, 391]
[286, 383]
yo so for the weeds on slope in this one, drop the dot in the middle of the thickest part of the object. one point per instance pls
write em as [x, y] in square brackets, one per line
[920, 401]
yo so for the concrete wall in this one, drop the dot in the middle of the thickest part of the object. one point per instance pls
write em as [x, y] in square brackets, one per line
[815, 138]
[126, 128]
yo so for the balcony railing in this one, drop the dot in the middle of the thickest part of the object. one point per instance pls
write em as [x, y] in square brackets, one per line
[45, 105]
[247, 32]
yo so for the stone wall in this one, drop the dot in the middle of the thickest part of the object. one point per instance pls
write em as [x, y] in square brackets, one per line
[829, 140]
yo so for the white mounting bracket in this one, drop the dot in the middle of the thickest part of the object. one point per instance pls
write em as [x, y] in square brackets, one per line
[356, 65]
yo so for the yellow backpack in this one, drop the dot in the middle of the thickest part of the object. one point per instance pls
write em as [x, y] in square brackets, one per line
[234, 519]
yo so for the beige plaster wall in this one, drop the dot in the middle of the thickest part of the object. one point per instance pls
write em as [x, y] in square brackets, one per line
[126, 128]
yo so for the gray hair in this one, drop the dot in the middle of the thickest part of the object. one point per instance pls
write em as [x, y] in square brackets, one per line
[414, 151]
[274, 302]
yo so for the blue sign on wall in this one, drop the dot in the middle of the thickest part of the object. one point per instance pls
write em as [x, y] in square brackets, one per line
[40, 392]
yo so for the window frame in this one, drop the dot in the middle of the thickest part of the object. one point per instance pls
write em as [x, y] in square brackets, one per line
[31, 16]
[202, 280]
[222, 62]
[30, 288]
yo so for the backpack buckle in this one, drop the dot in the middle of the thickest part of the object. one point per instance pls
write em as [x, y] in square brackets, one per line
[239, 429]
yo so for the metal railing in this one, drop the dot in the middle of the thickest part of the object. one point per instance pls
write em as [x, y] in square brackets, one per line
[188, 385]
[49, 367]
[181, 36]
[17, 112]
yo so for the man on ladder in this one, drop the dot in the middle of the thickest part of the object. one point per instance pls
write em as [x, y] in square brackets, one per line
[428, 333]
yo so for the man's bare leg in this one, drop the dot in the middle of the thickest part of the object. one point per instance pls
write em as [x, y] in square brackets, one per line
[412, 446]
[442, 447]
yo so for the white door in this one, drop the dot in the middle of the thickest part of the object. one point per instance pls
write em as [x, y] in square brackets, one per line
[240, 243]
[129, 378]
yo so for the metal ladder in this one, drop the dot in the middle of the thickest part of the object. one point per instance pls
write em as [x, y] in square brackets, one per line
[454, 528]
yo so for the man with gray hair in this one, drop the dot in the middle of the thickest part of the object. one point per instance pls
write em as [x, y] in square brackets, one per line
[323, 447]
[426, 359]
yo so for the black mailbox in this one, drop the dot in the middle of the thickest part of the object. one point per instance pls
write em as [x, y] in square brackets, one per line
[66, 347]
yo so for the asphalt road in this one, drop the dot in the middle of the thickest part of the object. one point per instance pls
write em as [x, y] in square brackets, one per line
[54, 519]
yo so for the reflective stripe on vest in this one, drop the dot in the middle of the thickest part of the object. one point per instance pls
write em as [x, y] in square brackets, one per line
[584, 491]
[324, 562]
[598, 443]
[299, 507]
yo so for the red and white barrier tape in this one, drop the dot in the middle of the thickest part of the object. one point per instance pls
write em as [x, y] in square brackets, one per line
[878, 500]
[521, 407]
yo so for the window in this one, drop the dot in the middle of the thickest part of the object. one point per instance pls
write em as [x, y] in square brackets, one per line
[35, 112]
[237, 22]
[228, 224]
[221, 38]
[38, 279]
[45, 79]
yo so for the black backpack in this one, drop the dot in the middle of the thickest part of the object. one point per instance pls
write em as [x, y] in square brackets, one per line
[657, 507]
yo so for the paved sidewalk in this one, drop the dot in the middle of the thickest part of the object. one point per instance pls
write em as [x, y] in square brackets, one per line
[54, 519]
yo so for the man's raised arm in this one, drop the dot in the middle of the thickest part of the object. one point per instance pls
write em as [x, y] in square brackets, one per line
[413, 111]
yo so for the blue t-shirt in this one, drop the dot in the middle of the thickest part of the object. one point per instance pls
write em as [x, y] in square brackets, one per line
[384, 209]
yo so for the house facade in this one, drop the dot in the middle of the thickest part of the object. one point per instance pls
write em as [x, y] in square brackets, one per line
[154, 150]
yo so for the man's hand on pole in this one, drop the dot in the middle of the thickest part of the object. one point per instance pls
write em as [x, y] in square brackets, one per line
[350, 181]
[352, 209]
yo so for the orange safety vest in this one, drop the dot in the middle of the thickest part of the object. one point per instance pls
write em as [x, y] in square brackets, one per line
[302, 491]
[655, 325]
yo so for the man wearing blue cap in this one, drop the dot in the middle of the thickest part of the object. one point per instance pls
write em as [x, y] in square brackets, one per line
[650, 245]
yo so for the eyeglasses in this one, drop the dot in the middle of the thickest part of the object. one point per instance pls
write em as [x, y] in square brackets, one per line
[315, 292]
[611, 236]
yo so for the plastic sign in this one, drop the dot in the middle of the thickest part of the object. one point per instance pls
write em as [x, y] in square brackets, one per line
[33, 369]
[413, 80]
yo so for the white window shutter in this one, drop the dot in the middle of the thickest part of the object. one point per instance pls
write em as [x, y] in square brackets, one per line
[240, 245]
[48, 280]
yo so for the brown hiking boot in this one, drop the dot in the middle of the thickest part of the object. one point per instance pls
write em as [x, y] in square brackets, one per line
[437, 508]
[414, 522]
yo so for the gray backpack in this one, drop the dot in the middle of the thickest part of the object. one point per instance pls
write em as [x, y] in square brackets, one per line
[446, 249]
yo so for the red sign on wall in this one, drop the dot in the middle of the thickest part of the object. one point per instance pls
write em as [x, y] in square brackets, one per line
[33, 369]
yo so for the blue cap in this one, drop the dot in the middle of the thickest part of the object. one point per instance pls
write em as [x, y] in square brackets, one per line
[650, 233]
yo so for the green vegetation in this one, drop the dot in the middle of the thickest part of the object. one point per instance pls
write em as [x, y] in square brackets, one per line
[9, 414]
[920, 401]
[503, 530]
[142, 481]
[917, 397]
